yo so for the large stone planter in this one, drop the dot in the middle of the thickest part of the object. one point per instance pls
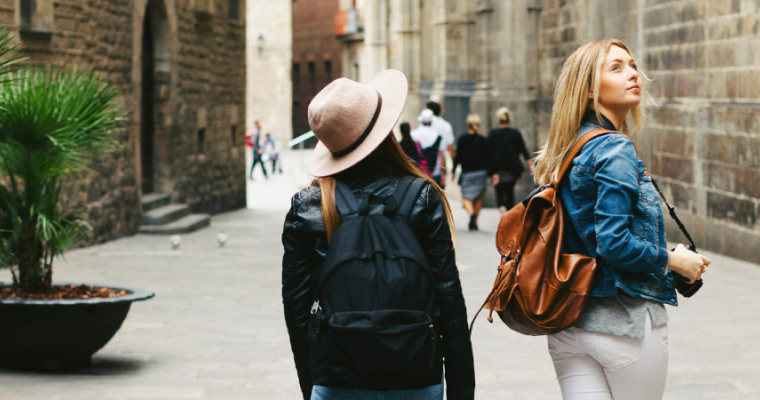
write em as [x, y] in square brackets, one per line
[60, 333]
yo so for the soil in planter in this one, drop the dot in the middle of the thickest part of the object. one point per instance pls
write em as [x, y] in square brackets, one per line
[64, 292]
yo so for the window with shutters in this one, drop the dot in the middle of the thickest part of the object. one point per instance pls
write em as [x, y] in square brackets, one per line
[234, 11]
[296, 79]
[328, 72]
[312, 78]
[35, 16]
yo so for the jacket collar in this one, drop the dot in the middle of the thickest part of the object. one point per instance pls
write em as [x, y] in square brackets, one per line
[590, 118]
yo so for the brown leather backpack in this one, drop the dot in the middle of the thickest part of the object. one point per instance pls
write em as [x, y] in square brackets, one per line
[538, 289]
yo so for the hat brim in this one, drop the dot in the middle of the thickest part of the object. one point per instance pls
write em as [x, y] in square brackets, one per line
[393, 88]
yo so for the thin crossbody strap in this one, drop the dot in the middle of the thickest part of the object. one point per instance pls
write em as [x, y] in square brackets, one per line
[672, 212]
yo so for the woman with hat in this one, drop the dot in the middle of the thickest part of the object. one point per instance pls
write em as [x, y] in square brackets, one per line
[353, 122]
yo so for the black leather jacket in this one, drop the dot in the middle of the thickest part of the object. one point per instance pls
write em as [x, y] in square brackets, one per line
[305, 243]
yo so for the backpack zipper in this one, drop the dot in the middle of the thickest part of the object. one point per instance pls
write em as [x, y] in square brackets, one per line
[315, 311]
[432, 354]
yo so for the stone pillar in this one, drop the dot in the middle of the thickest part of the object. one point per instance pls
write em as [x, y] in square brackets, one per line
[453, 27]
[406, 46]
[375, 37]
[482, 102]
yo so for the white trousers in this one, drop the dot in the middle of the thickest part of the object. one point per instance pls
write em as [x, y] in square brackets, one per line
[598, 366]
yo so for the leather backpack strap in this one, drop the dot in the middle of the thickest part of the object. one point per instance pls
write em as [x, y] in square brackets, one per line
[585, 138]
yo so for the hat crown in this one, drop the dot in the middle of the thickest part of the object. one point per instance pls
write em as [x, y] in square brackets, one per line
[426, 116]
[341, 112]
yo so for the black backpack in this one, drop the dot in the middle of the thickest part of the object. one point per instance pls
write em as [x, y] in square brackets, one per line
[372, 323]
[431, 155]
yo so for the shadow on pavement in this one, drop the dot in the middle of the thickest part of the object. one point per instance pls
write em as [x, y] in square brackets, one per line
[100, 366]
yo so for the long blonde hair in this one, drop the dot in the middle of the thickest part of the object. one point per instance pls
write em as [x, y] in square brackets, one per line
[390, 158]
[580, 76]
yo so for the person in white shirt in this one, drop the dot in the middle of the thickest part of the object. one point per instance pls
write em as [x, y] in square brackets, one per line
[443, 128]
[427, 137]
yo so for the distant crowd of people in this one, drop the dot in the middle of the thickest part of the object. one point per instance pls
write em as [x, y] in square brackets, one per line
[495, 157]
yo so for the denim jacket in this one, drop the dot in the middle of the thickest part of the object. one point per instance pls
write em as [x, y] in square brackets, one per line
[612, 213]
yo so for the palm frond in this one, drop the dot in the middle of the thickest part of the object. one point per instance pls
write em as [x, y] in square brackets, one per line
[62, 117]
[5, 49]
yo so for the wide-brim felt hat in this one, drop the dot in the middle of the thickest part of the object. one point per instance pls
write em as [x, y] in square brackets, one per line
[351, 119]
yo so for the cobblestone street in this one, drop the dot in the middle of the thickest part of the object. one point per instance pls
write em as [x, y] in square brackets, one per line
[215, 328]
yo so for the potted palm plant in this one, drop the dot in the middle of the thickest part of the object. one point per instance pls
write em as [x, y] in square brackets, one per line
[54, 122]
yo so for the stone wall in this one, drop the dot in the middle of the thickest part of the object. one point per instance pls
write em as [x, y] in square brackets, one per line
[702, 139]
[211, 81]
[199, 79]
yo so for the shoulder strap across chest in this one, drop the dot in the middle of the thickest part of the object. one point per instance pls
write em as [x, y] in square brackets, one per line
[400, 202]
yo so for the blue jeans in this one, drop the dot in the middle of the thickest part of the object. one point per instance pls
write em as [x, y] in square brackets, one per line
[434, 392]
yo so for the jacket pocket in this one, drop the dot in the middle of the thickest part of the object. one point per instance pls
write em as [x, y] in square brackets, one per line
[387, 342]
[648, 192]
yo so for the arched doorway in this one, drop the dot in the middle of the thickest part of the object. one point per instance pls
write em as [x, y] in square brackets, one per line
[155, 110]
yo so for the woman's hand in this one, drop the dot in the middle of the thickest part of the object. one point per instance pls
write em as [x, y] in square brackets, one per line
[495, 179]
[687, 263]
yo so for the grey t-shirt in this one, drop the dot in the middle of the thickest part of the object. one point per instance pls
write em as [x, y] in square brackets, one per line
[620, 315]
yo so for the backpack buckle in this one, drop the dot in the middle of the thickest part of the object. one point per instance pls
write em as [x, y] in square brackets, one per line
[390, 207]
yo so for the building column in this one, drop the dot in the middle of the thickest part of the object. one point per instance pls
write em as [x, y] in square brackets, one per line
[453, 27]
[455, 59]
[406, 46]
[482, 102]
[375, 37]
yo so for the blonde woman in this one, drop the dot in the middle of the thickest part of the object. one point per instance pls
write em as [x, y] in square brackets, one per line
[619, 347]
[472, 154]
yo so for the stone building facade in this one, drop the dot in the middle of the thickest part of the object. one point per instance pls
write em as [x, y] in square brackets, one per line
[432, 42]
[316, 55]
[179, 65]
[269, 96]
[702, 140]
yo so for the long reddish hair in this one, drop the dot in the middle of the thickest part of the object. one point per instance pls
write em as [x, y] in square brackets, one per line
[389, 158]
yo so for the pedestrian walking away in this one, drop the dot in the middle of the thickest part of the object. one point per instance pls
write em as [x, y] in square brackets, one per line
[618, 349]
[272, 152]
[472, 154]
[412, 148]
[505, 168]
[444, 129]
[433, 146]
[257, 149]
[379, 327]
